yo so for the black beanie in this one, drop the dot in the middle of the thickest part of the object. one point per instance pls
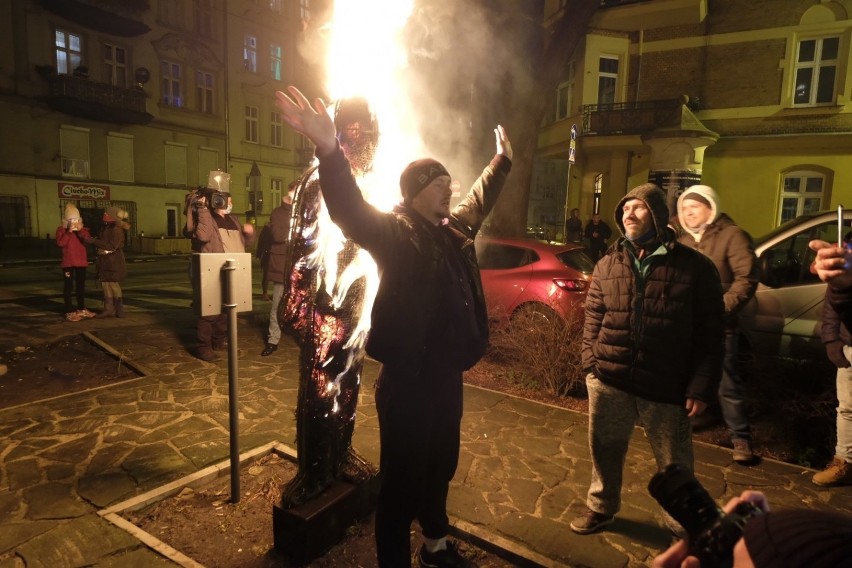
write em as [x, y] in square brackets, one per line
[417, 175]
[799, 538]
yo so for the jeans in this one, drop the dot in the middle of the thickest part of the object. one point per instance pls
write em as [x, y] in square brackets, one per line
[844, 409]
[274, 326]
[732, 392]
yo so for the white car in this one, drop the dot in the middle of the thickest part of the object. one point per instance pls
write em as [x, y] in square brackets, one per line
[783, 318]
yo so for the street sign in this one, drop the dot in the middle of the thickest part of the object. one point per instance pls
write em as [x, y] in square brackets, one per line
[573, 132]
[572, 153]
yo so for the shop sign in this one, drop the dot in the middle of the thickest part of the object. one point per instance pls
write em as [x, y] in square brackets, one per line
[83, 191]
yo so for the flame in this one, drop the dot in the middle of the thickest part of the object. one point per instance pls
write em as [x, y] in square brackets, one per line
[366, 58]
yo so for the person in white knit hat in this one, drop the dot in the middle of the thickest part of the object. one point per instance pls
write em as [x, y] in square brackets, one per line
[71, 236]
[714, 234]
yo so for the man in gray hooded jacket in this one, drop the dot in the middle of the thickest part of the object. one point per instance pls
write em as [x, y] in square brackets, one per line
[652, 348]
[714, 234]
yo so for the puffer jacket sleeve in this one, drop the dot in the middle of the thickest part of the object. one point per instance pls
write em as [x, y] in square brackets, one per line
[594, 316]
[708, 332]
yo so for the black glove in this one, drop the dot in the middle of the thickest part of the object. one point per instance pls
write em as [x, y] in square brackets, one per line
[834, 349]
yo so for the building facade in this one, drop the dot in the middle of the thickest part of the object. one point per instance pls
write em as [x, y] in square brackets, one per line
[752, 98]
[133, 103]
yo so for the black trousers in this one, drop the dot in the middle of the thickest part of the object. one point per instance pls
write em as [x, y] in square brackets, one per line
[419, 422]
[74, 278]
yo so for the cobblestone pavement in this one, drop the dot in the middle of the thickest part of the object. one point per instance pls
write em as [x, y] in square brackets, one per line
[522, 476]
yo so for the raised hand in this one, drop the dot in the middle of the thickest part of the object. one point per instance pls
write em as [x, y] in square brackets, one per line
[504, 147]
[312, 121]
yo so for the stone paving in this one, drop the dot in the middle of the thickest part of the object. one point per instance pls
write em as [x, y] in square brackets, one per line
[522, 476]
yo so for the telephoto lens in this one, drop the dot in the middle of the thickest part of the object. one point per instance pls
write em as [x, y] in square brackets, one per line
[711, 534]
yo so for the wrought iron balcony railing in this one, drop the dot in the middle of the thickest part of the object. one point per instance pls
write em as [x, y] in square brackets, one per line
[80, 96]
[631, 118]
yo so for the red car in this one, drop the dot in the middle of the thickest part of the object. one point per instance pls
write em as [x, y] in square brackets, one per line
[527, 274]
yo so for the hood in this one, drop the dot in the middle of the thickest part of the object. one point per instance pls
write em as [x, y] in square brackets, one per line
[709, 194]
[655, 199]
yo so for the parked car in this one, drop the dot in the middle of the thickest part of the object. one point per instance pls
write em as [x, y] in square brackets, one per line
[783, 318]
[535, 277]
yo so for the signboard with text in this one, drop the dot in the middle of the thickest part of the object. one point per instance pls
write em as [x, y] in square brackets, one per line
[71, 190]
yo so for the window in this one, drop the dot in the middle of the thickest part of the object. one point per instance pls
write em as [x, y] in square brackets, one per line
[277, 190]
[203, 14]
[305, 10]
[115, 62]
[74, 151]
[787, 263]
[170, 75]
[276, 135]
[275, 61]
[565, 95]
[816, 71]
[204, 92]
[170, 13]
[176, 164]
[250, 54]
[69, 52]
[275, 6]
[607, 79]
[251, 124]
[803, 192]
[120, 156]
[493, 256]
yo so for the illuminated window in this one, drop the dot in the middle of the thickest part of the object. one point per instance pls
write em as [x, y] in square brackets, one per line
[276, 135]
[275, 6]
[250, 54]
[171, 78]
[204, 92]
[69, 52]
[305, 10]
[115, 65]
[251, 124]
[816, 71]
[803, 192]
[565, 95]
[275, 61]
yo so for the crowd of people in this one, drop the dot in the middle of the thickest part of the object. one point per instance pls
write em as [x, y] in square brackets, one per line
[658, 348]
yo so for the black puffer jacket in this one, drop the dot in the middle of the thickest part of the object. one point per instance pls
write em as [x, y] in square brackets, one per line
[412, 312]
[662, 341]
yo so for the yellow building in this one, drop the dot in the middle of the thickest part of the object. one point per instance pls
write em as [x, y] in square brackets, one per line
[750, 100]
[132, 103]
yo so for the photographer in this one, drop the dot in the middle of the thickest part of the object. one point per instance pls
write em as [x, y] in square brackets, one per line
[212, 228]
[781, 539]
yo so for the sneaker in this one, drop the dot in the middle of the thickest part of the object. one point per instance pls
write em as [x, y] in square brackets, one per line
[73, 316]
[742, 451]
[838, 472]
[590, 521]
[86, 314]
[450, 557]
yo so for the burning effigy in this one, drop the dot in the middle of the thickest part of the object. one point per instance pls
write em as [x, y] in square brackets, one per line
[332, 283]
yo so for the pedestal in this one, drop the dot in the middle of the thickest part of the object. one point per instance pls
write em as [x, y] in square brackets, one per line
[309, 530]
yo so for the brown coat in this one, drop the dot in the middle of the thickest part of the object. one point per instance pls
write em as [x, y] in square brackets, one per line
[279, 223]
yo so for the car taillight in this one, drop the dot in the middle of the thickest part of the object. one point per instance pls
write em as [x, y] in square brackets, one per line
[570, 285]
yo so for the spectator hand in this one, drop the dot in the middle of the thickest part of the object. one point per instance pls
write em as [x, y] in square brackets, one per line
[314, 122]
[694, 407]
[834, 349]
[504, 147]
[833, 264]
[248, 229]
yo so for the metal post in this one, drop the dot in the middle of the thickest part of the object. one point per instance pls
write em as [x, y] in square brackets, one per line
[233, 395]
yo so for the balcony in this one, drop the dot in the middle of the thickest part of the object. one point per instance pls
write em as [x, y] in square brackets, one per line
[635, 15]
[632, 118]
[85, 98]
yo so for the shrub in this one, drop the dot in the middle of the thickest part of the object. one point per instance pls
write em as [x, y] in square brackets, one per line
[538, 349]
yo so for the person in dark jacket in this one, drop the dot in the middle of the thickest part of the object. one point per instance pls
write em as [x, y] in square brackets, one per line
[652, 347]
[835, 329]
[597, 233]
[429, 324]
[214, 230]
[574, 228]
[273, 266]
[714, 234]
[109, 260]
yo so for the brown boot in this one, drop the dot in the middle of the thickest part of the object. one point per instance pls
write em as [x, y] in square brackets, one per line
[838, 472]
[109, 308]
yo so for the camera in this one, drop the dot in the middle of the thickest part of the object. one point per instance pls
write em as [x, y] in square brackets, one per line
[712, 534]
